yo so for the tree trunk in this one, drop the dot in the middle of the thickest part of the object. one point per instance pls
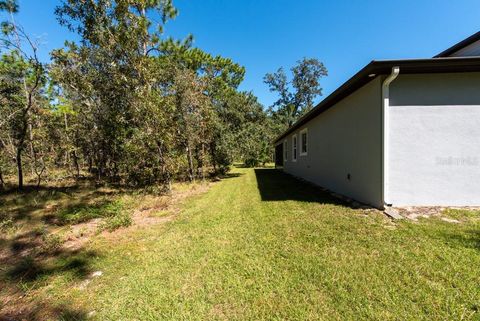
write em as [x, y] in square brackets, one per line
[40, 173]
[165, 173]
[203, 161]
[90, 164]
[212, 155]
[2, 182]
[75, 163]
[190, 164]
[30, 144]
[19, 168]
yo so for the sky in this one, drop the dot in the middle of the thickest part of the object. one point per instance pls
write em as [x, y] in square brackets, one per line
[263, 35]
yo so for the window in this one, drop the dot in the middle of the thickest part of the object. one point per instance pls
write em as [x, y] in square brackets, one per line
[294, 148]
[304, 142]
[285, 150]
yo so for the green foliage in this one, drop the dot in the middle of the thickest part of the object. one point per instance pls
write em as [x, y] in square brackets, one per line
[125, 105]
[296, 97]
[114, 214]
[6, 223]
[51, 242]
[85, 212]
[167, 114]
[251, 162]
[10, 6]
[112, 223]
[22, 80]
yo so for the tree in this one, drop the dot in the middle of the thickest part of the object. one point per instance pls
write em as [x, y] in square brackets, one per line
[296, 97]
[108, 75]
[123, 104]
[22, 80]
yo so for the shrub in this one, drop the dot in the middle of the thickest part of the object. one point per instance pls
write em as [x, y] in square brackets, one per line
[252, 162]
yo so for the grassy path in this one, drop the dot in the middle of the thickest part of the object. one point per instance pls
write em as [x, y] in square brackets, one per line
[263, 246]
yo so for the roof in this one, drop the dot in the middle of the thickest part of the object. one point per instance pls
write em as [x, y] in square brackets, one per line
[462, 44]
[384, 67]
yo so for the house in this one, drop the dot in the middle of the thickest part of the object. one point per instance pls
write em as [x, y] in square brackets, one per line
[398, 133]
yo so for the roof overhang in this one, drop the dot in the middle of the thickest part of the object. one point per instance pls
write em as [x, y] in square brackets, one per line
[383, 67]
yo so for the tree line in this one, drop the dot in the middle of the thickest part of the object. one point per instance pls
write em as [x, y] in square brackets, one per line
[125, 104]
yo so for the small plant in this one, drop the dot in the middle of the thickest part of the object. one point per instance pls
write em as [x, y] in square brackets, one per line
[252, 162]
[121, 219]
[82, 213]
[81, 232]
[51, 242]
[6, 224]
[39, 230]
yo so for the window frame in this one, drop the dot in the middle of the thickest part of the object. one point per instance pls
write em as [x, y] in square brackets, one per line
[285, 150]
[294, 148]
[304, 131]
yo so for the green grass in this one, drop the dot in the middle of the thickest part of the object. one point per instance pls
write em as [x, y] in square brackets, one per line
[105, 208]
[261, 245]
[116, 220]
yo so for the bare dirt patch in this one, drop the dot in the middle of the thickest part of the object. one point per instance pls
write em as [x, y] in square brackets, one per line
[161, 209]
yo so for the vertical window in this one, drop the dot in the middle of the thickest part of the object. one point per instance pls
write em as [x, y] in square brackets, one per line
[304, 142]
[294, 148]
[285, 150]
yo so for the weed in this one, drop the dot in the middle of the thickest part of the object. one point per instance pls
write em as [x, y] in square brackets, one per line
[84, 212]
[6, 224]
[51, 242]
[121, 219]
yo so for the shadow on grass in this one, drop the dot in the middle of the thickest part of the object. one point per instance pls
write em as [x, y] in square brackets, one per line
[42, 312]
[230, 175]
[241, 165]
[33, 268]
[32, 273]
[468, 239]
[22, 206]
[275, 185]
[31, 255]
[69, 314]
[29, 265]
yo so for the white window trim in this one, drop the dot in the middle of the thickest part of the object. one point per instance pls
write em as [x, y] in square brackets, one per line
[285, 151]
[294, 146]
[303, 131]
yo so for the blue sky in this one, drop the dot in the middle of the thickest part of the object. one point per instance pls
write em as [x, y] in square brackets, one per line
[263, 35]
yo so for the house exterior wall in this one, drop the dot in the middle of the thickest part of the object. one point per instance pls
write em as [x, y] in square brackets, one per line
[344, 147]
[434, 136]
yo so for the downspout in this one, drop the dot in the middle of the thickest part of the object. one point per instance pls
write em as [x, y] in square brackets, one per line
[386, 131]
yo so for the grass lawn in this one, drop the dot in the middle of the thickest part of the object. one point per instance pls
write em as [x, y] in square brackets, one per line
[261, 245]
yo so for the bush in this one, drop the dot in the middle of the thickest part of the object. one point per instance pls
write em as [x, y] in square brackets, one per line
[252, 162]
